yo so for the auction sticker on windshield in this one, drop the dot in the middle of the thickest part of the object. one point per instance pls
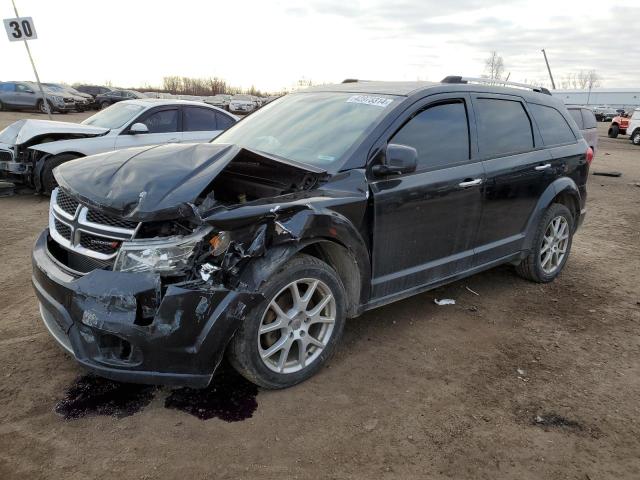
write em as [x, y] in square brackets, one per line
[369, 100]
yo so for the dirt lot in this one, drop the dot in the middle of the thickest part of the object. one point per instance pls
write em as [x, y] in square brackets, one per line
[521, 381]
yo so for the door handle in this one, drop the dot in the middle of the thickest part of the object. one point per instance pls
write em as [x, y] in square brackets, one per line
[173, 140]
[470, 183]
[543, 167]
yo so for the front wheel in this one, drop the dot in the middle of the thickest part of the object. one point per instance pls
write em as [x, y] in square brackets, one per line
[49, 182]
[614, 131]
[294, 331]
[551, 246]
[635, 137]
[42, 108]
[104, 105]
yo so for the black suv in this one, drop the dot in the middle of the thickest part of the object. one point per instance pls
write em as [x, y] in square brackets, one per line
[316, 208]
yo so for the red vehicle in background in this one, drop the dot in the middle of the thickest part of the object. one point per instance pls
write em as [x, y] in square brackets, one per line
[619, 125]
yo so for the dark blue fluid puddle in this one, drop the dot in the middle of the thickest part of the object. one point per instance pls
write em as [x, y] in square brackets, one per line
[91, 395]
[230, 397]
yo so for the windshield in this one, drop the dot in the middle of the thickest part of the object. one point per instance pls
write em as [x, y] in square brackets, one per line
[313, 128]
[115, 116]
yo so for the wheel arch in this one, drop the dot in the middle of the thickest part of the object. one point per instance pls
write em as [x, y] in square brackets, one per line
[564, 191]
[42, 160]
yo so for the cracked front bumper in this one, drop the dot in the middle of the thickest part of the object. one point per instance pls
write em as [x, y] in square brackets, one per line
[130, 327]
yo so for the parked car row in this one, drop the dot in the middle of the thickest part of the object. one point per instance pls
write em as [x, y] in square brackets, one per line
[31, 149]
[27, 96]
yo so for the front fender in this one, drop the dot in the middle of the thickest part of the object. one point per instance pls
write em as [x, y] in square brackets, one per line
[561, 186]
[83, 146]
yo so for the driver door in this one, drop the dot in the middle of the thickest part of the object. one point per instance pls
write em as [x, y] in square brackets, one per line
[164, 126]
[425, 222]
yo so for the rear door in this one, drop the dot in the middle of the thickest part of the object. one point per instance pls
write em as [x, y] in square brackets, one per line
[202, 124]
[425, 222]
[164, 124]
[518, 170]
[590, 128]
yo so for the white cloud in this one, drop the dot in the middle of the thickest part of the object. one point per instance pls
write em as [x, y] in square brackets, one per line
[273, 44]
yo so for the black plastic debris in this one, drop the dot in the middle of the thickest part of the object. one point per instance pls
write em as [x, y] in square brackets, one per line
[230, 397]
[608, 174]
[91, 395]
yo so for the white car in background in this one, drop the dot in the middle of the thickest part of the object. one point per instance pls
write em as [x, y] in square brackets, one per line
[31, 149]
[242, 104]
[634, 127]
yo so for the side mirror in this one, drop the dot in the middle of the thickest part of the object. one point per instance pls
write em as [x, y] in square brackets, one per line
[398, 159]
[138, 128]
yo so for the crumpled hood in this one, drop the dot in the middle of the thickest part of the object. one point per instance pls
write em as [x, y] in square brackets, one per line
[151, 183]
[24, 130]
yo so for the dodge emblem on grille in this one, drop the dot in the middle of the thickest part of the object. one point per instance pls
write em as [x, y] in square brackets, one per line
[105, 243]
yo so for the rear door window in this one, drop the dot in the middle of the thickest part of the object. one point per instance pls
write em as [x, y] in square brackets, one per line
[589, 119]
[223, 121]
[552, 125]
[577, 116]
[197, 119]
[439, 133]
[504, 127]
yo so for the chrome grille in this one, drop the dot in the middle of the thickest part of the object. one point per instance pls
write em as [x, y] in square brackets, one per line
[98, 217]
[63, 229]
[66, 203]
[86, 232]
[5, 156]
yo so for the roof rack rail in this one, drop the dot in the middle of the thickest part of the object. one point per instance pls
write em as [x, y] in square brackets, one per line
[490, 81]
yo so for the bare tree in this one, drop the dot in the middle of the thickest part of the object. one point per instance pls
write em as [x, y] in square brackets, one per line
[494, 66]
[583, 80]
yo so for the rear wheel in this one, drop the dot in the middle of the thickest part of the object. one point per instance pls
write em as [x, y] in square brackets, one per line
[1, 107]
[289, 336]
[551, 246]
[48, 180]
[635, 137]
[613, 131]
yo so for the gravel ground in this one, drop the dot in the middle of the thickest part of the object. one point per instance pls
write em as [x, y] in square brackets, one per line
[520, 381]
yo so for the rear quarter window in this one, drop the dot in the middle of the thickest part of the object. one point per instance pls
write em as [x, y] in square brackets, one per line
[503, 127]
[589, 119]
[552, 125]
[577, 116]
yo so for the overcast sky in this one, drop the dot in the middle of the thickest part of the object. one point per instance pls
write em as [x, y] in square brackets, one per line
[273, 43]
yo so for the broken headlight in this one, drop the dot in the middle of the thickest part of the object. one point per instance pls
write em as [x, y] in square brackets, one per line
[161, 255]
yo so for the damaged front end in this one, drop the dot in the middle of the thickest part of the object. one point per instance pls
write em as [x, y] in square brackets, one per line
[147, 279]
[18, 160]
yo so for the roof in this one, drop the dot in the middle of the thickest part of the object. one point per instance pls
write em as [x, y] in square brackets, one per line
[383, 88]
[406, 89]
[164, 101]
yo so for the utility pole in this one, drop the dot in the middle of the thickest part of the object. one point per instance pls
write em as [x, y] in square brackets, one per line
[553, 84]
[26, 44]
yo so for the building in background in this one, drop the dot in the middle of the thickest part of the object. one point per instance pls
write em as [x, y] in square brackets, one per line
[611, 97]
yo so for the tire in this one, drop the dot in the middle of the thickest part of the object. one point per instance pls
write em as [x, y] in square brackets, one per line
[104, 105]
[635, 137]
[1, 107]
[48, 180]
[41, 108]
[532, 266]
[248, 347]
[613, 131]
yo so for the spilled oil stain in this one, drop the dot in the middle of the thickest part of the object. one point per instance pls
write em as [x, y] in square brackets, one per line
[230, 397]
[91, 395]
